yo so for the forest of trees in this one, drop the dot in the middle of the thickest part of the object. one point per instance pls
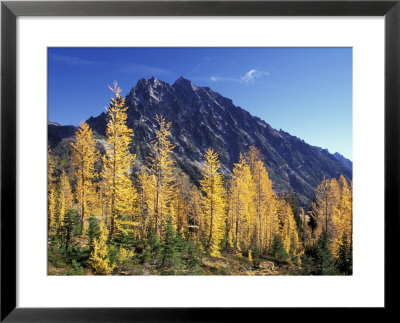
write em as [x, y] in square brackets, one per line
[104, 219]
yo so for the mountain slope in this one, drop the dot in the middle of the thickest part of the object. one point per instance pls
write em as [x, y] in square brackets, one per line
[344, 161]
[56, 132]
[202, 118]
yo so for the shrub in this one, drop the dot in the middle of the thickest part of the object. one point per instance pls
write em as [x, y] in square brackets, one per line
[76, 269]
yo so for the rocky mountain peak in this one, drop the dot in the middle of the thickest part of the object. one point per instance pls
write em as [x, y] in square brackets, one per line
[201, 118]
[147, 83]
[185, 83]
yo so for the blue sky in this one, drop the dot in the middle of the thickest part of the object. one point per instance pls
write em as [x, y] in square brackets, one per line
[304, 91]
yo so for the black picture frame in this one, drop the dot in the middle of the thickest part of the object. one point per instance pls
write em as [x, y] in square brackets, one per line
[10, 10]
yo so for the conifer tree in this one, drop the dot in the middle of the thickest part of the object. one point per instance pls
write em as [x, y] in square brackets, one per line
[306, 230]
[332, 210]
[342, 219]
[193, 261]
[51, 193]
[99, 261]
[124, 257]
[120, 195]
[72, 226]
[213, 203]
[146, 198]
[195, 216]
[94, 229]
[162, 167]
[284, 214]
[65, 187]
[345, 259]
[83, 157]
[170, 248]
[64, 200]
[264, 201]
[181, 203]
[288, 230]
[60, 209]
[241, 205]
[324, 206]
[277, 250]
[296, 247]
[325, 260]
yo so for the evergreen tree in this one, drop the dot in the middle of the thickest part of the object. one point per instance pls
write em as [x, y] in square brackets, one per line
[76, 269]
[193, 261]
[345, 261]
[277, 249]
[324, 258]
[154, 248]
[170, 249]
[255, 253]
[94, 229]
[72, 226]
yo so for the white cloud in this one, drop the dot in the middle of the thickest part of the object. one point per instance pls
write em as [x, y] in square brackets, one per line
[251, 75]
[216, 78]
[247, 78]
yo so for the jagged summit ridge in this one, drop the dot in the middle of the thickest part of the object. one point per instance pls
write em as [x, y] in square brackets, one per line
[202, 118]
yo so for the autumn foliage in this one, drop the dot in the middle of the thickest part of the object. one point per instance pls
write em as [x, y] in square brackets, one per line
[157, 216]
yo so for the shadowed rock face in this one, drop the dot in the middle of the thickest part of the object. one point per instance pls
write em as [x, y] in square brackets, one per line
[202, 118]
[56, 133]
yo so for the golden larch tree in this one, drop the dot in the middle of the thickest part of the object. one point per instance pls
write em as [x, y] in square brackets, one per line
[51, 192]
[99, 261]
[65, 198]
[119, 193]
[213, 203]
[60, 208]
[241, 215]
[83, 157]
[346, 205]
[264, 201]
[195, 216]
[305, 226]
[342, 218]
[162, 167]
[284, 212]
[146, 198]
[324, 206]
[181, 203]
[288, 229]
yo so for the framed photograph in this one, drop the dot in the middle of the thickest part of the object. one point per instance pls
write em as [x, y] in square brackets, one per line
[162, 158]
